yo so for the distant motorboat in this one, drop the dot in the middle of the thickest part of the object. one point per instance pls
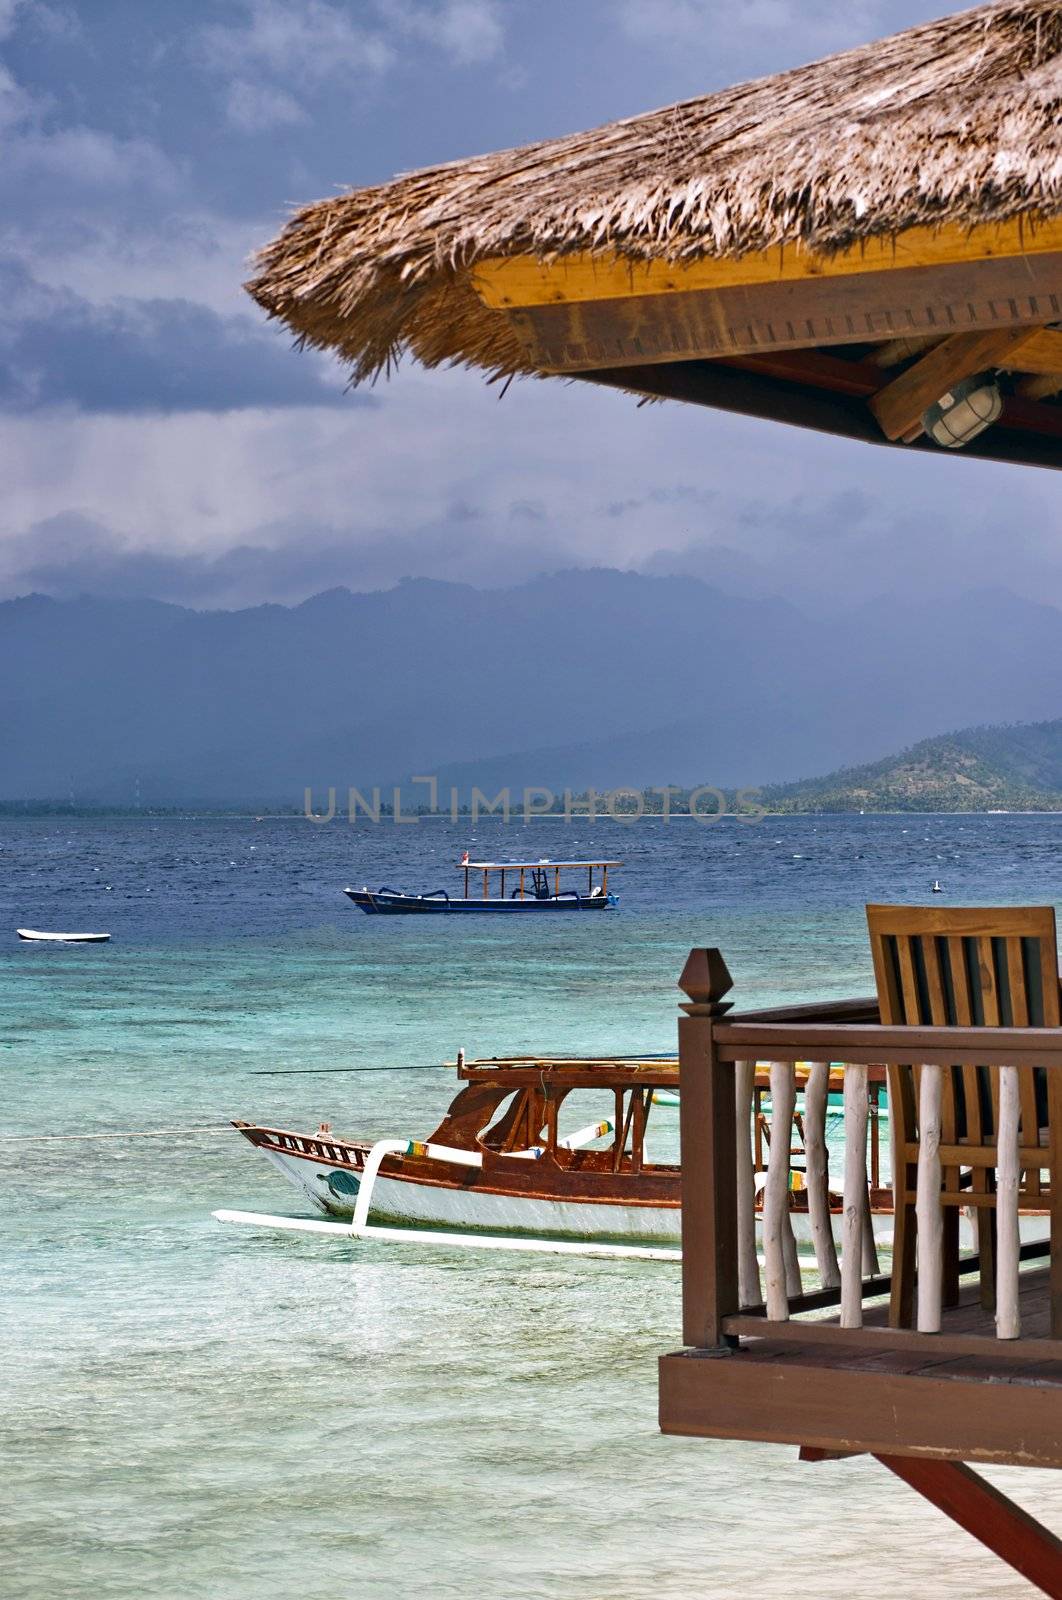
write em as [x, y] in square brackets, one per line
[537, 888]
[63, 938]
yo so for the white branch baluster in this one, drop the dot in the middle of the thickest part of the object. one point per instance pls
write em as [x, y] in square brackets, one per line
[928, 1209]
[871, 1267]
[856, 1200]
[794, 1283]
[776, 1219]
[1008, 1316]
[749, 1290]
[816, 1097]
[870, 1248]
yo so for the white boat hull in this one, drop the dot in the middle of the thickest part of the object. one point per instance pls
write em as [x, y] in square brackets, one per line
[396, 1200]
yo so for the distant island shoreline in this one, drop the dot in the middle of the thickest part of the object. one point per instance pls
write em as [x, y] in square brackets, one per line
[104, 814]
[1001, 770]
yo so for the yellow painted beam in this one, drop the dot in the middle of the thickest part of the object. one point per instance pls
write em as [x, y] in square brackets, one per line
[504, 281]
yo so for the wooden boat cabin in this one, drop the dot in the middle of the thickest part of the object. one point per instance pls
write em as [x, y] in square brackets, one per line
[540, 880]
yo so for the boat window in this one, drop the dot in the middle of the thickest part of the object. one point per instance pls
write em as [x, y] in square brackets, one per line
[580, 1111]
[518, 1122]
[662, 1131]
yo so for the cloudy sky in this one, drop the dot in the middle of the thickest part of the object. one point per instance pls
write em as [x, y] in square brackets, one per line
[157, 438]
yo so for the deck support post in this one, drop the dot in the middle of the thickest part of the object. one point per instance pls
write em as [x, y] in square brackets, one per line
[999, 1524]
[707, 1103]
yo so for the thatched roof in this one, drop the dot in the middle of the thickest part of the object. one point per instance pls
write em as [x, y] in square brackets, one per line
[957, 121]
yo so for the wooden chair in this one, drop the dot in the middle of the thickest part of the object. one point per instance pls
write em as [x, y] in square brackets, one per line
[941, 966]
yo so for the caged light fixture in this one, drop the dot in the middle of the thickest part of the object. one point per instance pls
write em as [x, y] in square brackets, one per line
[967, 409]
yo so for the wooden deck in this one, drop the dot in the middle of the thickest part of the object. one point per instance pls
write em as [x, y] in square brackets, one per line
[893, 1393]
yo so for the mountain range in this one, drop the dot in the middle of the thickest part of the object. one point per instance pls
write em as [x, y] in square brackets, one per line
[585, 678]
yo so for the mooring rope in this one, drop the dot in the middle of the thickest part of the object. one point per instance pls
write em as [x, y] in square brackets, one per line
[129, 1133]
[313, 1072]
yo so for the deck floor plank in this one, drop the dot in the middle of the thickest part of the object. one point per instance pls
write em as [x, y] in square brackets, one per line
[973, 1407]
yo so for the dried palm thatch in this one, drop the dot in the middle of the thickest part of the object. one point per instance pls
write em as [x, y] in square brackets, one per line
[957, 121]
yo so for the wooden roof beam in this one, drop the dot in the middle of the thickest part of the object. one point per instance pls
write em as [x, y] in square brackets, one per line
[893, 351]
[900, 405]
[1041, 352]
[1026, 432]
[581, 276]
[816, 368]
[1041, 386]
[1021, 413]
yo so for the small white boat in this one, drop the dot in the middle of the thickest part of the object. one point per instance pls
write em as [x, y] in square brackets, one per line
[63, 938]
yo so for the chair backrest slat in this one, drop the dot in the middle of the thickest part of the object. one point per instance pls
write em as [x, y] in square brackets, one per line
[938, 1002]
[1017, 984]
[960, 982]
[961, 1009]
[991, 1009]
[929, 956]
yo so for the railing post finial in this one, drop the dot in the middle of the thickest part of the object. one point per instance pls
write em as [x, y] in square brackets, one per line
[705, 980]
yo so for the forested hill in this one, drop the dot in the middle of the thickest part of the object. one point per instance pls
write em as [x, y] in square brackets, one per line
[1007, 768]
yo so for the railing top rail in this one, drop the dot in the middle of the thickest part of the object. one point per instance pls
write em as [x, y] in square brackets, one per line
[862, 1009]
[738, 1040]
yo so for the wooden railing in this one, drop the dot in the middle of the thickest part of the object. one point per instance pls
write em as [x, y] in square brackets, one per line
[723, 1296]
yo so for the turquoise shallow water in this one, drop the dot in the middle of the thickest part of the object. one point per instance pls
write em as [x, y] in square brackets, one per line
[194, 1411]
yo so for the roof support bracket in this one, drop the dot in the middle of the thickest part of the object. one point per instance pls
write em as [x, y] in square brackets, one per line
[900, 405]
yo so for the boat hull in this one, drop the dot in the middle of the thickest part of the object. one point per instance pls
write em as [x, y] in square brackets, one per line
[406, 1203]
[389, 903]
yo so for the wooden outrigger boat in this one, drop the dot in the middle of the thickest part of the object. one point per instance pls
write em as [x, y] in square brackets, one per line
[499, 1161]
[532, 886]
